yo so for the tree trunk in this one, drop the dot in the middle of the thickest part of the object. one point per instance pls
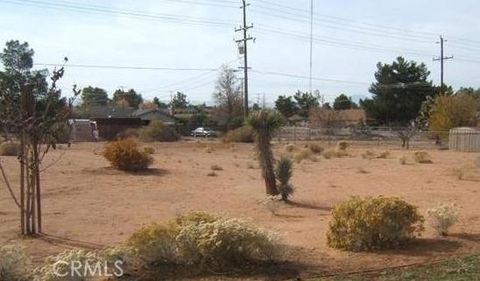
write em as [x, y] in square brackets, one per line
[266, 163]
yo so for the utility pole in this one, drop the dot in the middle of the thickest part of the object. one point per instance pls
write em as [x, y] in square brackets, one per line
[244, 41]
[442, 59]
[311, 45]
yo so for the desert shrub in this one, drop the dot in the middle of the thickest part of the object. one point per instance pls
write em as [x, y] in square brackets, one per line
[157, 131]
[155, 244]
[125, 254]
[422, 157]
[342, 145]
[442, 217]
[383, 155]
[315, 148]
[243, 134]
[63, 264]
[9, 149]
[284, 171]
[402, 160]
[225, 242]
[216, 167]
[334, 153]
[305, 154]
[373, 223]
[368, 154]
[125, 155]
[205, 241]
[14, 264]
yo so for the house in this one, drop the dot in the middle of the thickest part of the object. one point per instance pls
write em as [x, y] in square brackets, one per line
[154, 114]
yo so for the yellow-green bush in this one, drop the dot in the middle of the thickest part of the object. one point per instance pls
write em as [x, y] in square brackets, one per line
[9, 149]
[125, 155]
[155, 244]
[203, 240]
[373, 223]
[14, 264]
[334, 153]
[305, 154]
[62, 263]
[243, 134]
[157, 131]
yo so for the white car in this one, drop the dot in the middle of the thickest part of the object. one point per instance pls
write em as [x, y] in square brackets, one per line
[203, 132]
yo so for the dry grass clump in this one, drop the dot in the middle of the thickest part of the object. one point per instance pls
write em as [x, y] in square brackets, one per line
[459, 173]
[342, 145]
[9, 149]
[368, 154]
[216, 167]
[250, 165]
[422, 157]
[334, 153]
[384, 155]
[402, 160]
[315, 148]
[305, 154]
[289, 148]
[125, 155]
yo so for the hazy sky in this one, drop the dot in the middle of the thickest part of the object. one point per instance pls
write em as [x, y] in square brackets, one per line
[350, 38]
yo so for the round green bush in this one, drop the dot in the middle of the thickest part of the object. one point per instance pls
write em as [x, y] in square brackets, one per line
[373, 223]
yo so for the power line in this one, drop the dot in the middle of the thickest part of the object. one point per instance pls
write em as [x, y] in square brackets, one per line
[129, 67]
[307, 77]
[103, 10]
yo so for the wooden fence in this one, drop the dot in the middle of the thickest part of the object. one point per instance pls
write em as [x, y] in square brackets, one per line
[464, 139]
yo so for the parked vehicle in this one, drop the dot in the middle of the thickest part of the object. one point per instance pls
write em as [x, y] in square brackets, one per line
[203, 132]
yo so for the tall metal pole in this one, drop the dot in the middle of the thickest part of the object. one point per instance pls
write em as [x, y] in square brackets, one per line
[311, 45]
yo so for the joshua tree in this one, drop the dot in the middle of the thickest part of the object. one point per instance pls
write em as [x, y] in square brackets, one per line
[284, 171]
[264, 124]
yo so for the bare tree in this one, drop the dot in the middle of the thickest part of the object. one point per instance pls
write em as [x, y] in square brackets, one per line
[228, 97]
[406, 134]
[36, 115]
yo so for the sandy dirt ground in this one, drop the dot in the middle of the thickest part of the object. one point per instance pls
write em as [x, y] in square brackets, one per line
[87, 204]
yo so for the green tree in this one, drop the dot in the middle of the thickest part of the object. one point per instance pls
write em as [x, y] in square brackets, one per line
[131, 97]
[399, 91]
[265, 123]
[94, 96]
[343, 102]
[179, 101]
[159, 104]
[286, 106]
[305, 102]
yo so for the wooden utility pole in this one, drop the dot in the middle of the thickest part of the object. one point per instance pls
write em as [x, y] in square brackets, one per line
[244, 41]
[442, 60]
